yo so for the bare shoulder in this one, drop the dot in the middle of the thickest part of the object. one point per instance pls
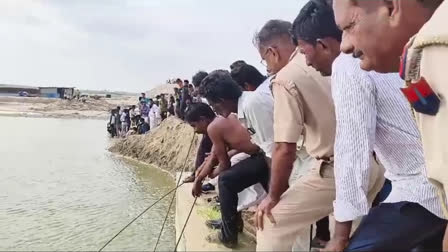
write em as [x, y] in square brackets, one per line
[217, 126]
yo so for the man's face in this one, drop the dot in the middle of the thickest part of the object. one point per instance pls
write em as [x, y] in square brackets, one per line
[200, 127]
[368, 33]
[271, 59]
[317, 56]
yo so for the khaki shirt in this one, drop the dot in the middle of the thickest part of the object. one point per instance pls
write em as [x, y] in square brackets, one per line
[303, 105]
[429, 49]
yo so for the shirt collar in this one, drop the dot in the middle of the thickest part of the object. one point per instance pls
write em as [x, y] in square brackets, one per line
[241, 101]
[294, 54]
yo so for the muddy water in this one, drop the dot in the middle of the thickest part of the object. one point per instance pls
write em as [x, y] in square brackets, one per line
[60, 189]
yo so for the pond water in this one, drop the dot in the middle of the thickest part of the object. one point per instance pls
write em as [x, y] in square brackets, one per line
[60, 189]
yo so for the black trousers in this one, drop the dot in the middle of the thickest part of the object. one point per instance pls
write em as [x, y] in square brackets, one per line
[246, 173]
[399, 226]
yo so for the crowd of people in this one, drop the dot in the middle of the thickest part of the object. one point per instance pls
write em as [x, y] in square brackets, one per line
[354, 94]
[339, 89]
[148, 113]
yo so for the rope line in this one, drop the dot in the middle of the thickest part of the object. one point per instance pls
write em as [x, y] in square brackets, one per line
[174, 194]
[153, 204]
[164, 196]
[185, 225]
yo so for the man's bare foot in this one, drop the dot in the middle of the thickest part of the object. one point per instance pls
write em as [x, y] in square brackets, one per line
[189, 179]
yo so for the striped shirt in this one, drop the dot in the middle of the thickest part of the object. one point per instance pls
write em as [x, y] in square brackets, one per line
[373, 115]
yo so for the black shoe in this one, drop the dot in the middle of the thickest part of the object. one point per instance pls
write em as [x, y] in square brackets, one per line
[208, 187]
[217, 224]
[214, 224]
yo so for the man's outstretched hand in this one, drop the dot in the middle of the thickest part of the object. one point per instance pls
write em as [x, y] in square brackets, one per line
[197, 189]
[265, 207]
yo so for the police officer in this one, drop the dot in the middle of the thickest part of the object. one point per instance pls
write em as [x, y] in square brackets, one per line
[376, 32]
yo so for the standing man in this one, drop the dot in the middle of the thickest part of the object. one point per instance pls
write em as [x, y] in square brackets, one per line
[185, 92]
[255, 111]
[248, 77]
[163, 107]
[303, 105]
[206, 144]
[415, 220]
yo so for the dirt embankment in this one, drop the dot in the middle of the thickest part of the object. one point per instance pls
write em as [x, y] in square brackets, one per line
[166, 147]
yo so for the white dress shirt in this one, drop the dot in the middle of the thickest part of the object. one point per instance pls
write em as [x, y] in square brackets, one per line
[265, 87]
[373, 115]
[256, 112]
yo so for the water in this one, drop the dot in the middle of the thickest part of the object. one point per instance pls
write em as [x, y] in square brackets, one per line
[61, 190]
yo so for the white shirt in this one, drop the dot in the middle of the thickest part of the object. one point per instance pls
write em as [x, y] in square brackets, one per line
[265, 87]
[256, 112]
[373, 115]
[123, 117]
[154, 112]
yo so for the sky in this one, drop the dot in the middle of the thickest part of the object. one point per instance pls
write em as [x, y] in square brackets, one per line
[128, 45]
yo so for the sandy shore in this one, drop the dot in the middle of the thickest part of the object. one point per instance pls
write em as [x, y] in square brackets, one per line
[57, 108]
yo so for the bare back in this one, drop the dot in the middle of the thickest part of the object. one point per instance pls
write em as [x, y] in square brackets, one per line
[230, 131]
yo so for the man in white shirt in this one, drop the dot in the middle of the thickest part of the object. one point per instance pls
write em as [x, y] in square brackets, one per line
[371, 115]
[154, 115]
[255, 112]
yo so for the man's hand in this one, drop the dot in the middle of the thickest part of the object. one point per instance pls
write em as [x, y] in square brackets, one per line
[215, 173]
[197, 188]
[336, 245]
[265, 207]
[198, 171]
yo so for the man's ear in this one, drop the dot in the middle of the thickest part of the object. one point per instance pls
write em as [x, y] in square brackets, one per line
[322, 43]
[393, 7]
[275, 53]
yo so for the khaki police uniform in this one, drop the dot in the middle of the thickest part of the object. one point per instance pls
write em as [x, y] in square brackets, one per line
[427, 58]
[303, 105]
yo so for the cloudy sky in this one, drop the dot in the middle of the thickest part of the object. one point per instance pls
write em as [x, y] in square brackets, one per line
[128, 45]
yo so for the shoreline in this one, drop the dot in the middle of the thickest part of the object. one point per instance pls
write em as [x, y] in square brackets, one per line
[144, 163]
[52, 115]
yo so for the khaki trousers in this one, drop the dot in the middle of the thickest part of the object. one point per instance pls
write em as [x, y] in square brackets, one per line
[307, 201]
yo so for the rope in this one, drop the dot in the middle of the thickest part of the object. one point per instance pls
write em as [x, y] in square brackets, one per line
[115, 236]
[164, 196]
[185, 225]
[174, 195]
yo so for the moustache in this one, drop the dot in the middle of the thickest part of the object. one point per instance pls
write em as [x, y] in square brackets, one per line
[357, 54]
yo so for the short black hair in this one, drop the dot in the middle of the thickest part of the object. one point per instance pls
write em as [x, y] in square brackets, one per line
[315, 21]
[430, 4]
[198, 110]
[219, 86]
[273, 29]
[178, 80]
[186, 81]
[237, 63]
[198, 78]
[247, 74]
